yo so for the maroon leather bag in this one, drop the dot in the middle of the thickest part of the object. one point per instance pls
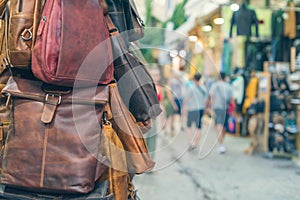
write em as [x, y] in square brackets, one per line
[49, 146]
[72, 46]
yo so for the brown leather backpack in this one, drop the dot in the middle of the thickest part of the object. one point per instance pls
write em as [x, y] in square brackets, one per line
[48, 147]
[72, 47]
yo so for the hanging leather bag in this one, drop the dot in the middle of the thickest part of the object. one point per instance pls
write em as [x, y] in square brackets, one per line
[72, 47]
[49, 147]
[123, 123]
[21, 20]
[135, 84]
[125, 17]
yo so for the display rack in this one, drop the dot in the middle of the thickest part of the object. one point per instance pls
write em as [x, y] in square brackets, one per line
[293, 69]
[264, 88]
[264, 92]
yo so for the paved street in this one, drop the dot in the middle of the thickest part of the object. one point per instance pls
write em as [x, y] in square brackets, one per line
[207, 175]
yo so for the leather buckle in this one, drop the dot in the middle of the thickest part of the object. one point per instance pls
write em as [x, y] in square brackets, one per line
[50, 96]
[52, 100]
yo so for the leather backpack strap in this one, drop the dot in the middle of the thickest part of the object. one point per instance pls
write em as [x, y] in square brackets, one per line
[113, 31]
[104, 6]
[110, 25]
[51, 103]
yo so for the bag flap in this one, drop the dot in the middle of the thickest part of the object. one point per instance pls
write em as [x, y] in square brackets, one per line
[24, 88]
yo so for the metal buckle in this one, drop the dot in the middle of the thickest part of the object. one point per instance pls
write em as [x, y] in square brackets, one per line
[23, 35]
[53, 96]
[140, 21]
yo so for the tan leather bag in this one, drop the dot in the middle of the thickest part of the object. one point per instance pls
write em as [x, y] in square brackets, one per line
[23, 17]
[2, 40]
[54, 136]
[130, 134]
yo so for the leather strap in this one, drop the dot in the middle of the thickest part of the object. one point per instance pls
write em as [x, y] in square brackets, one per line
[113, 31]
[104, 6]
[51, 103]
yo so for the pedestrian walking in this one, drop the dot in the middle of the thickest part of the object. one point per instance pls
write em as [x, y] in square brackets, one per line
[221, 95]
[176, 84]
[195, 102]
[170, 108]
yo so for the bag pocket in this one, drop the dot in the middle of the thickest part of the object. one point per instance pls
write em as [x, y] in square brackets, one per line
[20, 40]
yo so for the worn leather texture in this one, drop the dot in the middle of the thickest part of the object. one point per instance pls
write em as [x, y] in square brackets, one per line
[2, 42]
[5, 114]
[2, 5]
[131, 136]
[24, 16]
[72, 47]
[62, 154]
[112, 147]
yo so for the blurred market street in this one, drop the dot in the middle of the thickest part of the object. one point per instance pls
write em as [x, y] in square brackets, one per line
[206, 174]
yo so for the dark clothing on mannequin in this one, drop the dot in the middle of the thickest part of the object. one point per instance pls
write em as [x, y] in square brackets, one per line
[256, 54]
[277, 23]
[244, 18]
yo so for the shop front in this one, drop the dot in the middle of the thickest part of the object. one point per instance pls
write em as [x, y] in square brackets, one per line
[256, 43]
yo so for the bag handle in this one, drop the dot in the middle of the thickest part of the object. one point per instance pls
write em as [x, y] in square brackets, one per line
[113, 30]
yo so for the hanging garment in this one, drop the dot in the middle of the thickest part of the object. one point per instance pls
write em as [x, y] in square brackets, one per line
[256, 54]
[277, 23]
[290, 22]
[238, 85]
[227, 57]
[251, 92]
[244, 18]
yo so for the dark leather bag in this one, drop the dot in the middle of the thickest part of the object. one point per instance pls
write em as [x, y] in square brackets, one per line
[72, 46]
[49, 146]
[125, 16]
[135, 84]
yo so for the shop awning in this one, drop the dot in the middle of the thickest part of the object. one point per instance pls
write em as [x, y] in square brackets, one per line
[194, 9]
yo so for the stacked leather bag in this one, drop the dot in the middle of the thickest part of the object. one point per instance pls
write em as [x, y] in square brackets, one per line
[70, 133]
